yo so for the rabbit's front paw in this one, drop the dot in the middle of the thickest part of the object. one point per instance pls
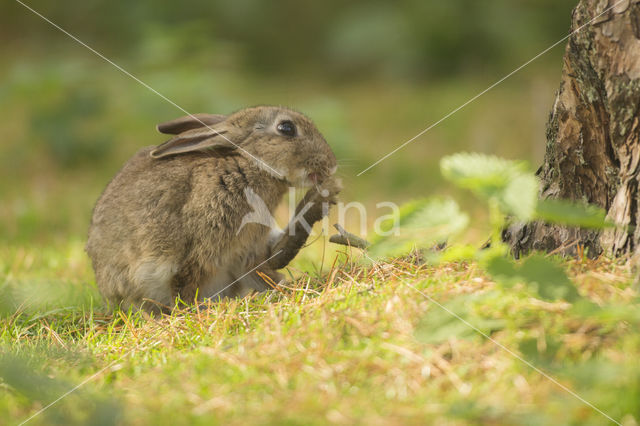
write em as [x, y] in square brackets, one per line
[328, 191]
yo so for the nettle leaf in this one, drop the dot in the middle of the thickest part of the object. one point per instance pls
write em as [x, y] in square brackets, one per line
[540, 274]
[420, 224]
[478, 171]
[551, 279]
[492, 178]
[406, 213]
[520, 196]
[457, 253]
[503, 270]
[564, 212]
[440, 325]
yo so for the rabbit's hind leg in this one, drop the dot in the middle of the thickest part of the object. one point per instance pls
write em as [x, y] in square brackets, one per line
[228, 284]
[152, 281]
[217, 285]
[258, 280]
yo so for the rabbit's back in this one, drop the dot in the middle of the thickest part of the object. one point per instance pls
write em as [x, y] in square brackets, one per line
[154, 217]
[135, 218]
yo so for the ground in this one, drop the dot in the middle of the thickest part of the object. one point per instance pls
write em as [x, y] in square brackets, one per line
[377, 344]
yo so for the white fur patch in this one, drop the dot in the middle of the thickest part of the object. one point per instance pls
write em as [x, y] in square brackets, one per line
[153, 278]
[274, 236]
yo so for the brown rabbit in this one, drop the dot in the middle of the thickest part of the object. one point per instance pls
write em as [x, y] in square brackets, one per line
[170, 223]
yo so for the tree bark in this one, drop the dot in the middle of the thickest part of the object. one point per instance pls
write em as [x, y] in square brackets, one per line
[593, 148]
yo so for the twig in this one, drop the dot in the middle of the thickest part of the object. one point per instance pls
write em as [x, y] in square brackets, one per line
[348, 239]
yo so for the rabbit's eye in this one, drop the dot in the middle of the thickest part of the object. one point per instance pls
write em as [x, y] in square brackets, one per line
[287, 128]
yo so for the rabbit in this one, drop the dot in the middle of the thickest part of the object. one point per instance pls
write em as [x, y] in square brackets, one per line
[169, 226]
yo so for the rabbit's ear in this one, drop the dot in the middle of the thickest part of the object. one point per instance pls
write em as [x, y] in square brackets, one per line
[201, 139]
[189, 122]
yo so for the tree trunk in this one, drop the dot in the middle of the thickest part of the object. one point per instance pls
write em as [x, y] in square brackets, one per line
[593, 147]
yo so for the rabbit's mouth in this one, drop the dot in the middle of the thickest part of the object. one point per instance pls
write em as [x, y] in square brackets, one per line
[315, 178]
[307, 178]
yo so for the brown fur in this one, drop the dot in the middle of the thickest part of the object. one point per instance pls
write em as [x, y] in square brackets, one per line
[168, 226]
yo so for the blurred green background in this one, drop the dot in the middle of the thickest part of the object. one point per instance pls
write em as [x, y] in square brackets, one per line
[372, 74]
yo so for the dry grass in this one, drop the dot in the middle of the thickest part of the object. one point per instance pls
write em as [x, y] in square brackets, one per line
[354, 345]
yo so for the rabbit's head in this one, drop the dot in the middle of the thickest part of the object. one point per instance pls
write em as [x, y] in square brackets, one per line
[282, 142]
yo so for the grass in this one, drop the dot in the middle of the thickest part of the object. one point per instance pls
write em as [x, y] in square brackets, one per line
[353, 345]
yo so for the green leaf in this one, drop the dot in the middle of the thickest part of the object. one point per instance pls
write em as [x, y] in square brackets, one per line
[440, 325]
[479, 172]
[456, 253]
[520, 196]
[503, 270]
[492, 178]
[421, 224]
[564, 212]
[539, 273]
[551, 280]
